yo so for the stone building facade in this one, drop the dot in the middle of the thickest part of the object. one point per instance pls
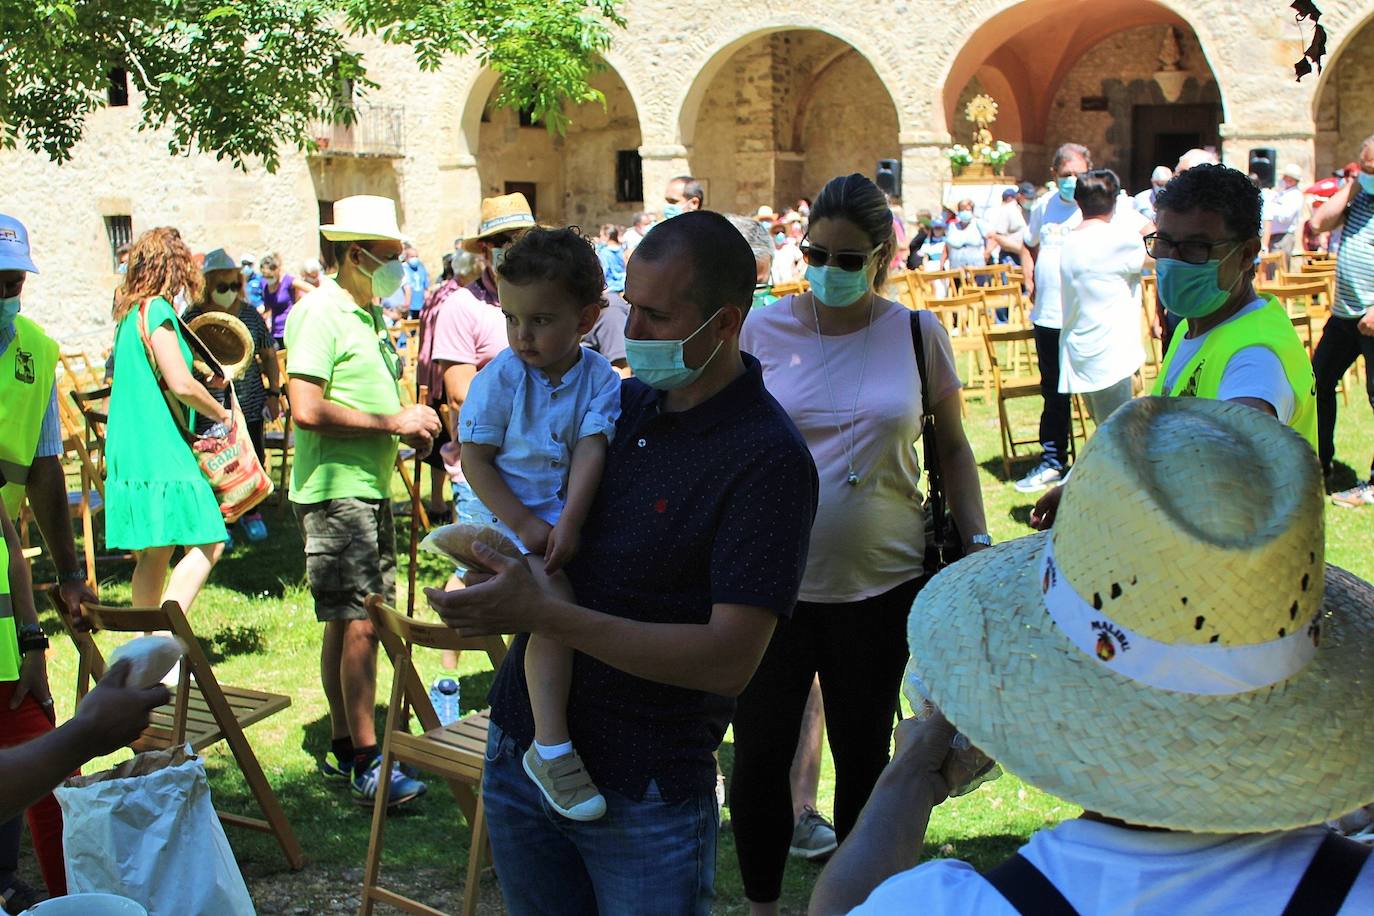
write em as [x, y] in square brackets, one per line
[763, 102]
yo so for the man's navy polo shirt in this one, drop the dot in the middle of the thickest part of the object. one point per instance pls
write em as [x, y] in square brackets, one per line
[711, 505]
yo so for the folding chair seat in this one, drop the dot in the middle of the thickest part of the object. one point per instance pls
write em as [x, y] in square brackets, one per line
[202, 711]
[1008, 387]
[455, 752]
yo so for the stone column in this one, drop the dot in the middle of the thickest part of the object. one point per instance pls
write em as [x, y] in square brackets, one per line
[662, 163]
[1294, 143]
[925, 170]
[460, 189]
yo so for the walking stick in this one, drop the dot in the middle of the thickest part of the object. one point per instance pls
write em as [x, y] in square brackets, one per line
[415, 509]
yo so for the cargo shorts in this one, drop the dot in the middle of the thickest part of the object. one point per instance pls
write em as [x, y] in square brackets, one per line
[350, 553]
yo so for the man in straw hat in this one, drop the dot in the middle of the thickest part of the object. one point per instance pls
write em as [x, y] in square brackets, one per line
[1180, 662]
[504, 219]
[345, 399]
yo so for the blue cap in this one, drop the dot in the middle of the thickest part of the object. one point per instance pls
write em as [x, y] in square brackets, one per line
[14, 245]
[219, 259]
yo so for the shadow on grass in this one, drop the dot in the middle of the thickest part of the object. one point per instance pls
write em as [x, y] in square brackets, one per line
[1343, 477]
[231, 641]
[1021, 515]
[982, 852]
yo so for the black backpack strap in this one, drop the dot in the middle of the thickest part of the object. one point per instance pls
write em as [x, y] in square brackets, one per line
[1329, 877]
[1028, 891]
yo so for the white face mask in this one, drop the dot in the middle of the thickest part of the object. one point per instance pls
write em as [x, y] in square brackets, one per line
[224, 299]
[387, 277]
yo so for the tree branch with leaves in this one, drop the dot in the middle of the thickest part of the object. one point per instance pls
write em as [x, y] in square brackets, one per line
[244, 79]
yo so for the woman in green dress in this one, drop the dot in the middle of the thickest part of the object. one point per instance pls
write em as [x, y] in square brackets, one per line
[156, 498]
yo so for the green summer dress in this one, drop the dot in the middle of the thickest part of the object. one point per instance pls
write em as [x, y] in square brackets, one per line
[155, 493]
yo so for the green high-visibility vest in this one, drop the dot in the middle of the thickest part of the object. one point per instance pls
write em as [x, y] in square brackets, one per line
[1268, 327]
[9, 636]
[28, 368]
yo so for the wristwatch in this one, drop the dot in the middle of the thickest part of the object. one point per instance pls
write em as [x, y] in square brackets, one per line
[73, 575]
[980, 540]
[31, 637]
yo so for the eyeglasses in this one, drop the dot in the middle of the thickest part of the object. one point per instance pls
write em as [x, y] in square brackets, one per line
[1191, 251]
[226, 287]
[852, 261]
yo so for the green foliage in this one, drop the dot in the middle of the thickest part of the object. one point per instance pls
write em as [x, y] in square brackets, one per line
[243, 78]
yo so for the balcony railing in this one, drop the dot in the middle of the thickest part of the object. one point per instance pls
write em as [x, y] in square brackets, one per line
[378, 130]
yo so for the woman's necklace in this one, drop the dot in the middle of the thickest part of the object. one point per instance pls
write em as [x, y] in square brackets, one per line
[848, 446]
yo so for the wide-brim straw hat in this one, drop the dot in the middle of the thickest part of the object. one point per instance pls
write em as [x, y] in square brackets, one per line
[507, 213]
[1175, 653]
[363, 217]
[228, 341]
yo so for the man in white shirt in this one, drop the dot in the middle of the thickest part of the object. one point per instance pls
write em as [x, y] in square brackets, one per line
[1206, 739]
[1283, 213]
[1052, 218]
[1145, 200]
[630, 240]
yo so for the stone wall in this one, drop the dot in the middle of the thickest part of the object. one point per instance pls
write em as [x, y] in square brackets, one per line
[1345, 107]
[850, 125]
[1121, 69]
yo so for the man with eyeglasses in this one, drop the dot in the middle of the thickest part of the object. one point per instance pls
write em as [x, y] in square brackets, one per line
[345, 399]
[1232, 344]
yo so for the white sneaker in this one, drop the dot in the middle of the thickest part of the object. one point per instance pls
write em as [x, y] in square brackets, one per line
[1039, 479]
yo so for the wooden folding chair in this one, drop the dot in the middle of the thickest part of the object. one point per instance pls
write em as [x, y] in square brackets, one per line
[1271, 262]
[1154, 355]
[1008, 387]
[905, 288]
[939, 283]
[202, 711]
[961, 316]
[455, 752]
[996, 274]
[791, 288]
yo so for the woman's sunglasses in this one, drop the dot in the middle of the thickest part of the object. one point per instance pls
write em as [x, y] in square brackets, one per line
[851, 261]
[226, 287]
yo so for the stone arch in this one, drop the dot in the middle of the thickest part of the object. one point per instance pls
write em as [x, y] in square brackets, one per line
[777, 114]
[1343, 105]
[1106, 51]
[573, 178]
[720, 53]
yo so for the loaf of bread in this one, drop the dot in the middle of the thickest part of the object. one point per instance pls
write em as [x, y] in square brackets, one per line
[149, 657]
[455, 542]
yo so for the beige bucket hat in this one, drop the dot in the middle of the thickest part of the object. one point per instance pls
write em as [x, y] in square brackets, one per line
[507, 213]
[1176, 653]
[362, 217]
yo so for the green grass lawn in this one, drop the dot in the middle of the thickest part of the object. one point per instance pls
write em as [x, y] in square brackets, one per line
[256, 623]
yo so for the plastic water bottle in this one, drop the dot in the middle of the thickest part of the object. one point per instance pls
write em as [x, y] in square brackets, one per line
[444, 696]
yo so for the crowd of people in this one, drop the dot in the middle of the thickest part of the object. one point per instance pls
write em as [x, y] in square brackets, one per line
[706, 474]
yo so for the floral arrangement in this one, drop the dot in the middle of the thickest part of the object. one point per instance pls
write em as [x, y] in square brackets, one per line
[998, 155]
[958, 156]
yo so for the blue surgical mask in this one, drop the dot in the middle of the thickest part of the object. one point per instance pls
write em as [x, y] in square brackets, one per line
[413, 263]
[965, 217]
[1067, 184]
[660, 364]
[1366, 182]
[672, 210]
[836, 288]
[1192, 290]
[387, 277]
[8, 309]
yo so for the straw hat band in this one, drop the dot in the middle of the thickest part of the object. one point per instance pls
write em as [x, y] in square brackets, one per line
[496, 222]
[1204, 670]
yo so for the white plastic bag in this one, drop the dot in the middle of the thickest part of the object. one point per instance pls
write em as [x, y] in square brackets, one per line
[147, 830]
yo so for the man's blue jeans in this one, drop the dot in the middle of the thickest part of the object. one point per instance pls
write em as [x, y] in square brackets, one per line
[642, 857]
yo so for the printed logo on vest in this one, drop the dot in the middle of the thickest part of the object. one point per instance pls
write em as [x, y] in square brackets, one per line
[1189, 390]
[23, 366]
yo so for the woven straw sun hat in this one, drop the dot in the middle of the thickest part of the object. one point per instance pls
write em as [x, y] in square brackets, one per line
[1176, 653]
[228, 341]
[363, 217]
[507, 213]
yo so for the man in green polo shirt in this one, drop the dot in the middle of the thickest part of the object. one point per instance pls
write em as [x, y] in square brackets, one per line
[345, 400]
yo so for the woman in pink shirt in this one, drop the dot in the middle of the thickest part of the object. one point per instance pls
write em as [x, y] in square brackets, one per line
[842, 362]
